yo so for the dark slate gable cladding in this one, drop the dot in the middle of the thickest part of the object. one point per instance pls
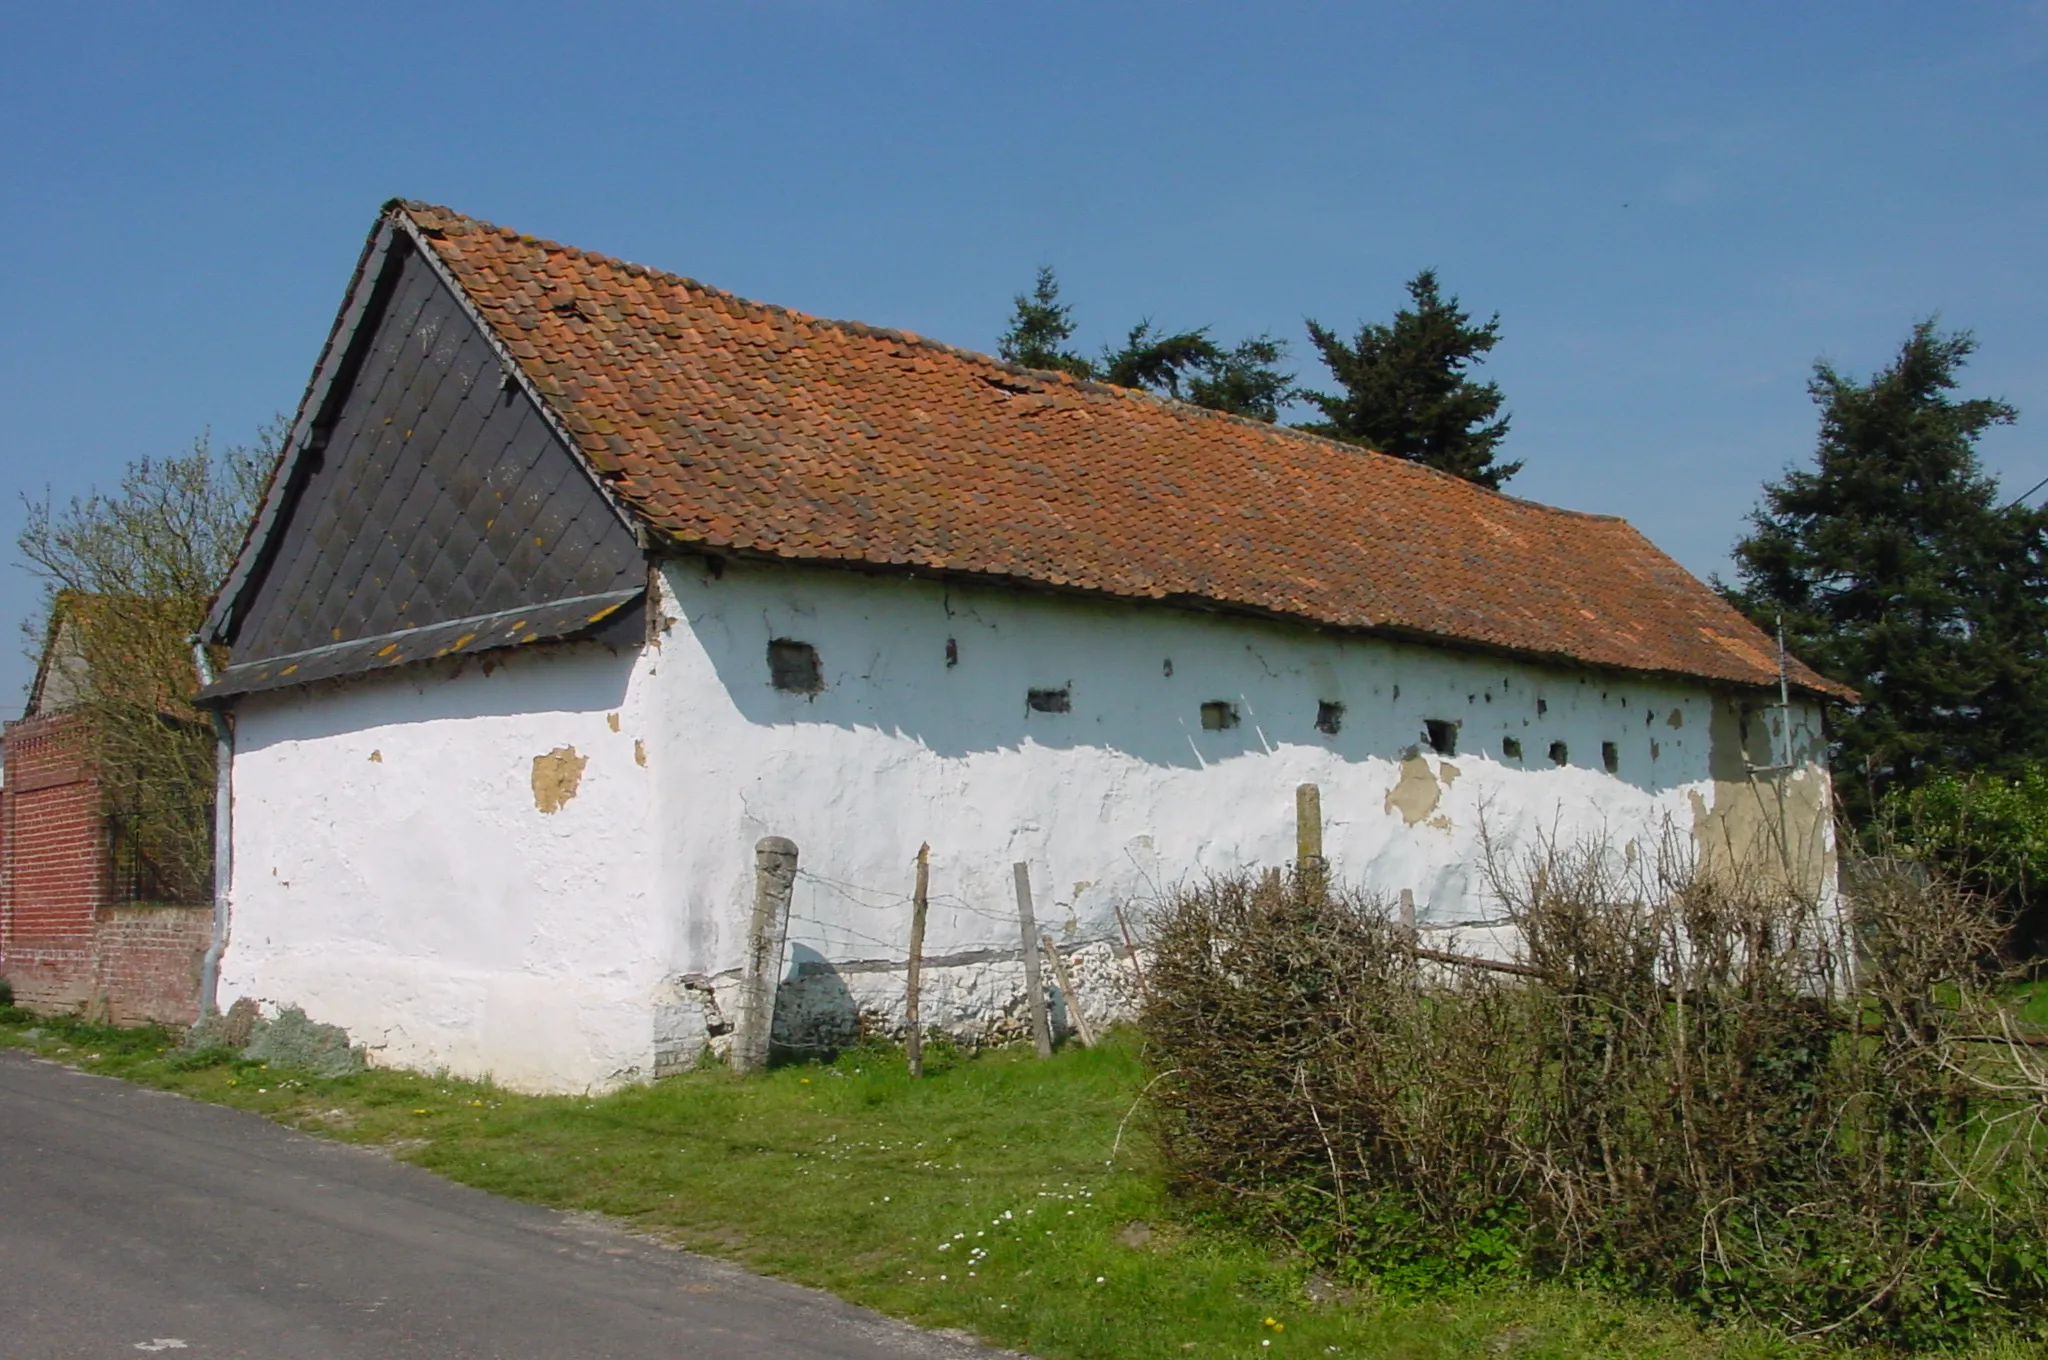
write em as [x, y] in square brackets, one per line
[432, 510]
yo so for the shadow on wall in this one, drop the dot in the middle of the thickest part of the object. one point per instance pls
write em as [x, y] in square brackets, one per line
[818, 1015]
[815, 1013]
[937, 670]
[547, 677]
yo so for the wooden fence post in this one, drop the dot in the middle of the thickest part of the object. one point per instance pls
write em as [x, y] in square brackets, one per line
[1041, 1024]
[774, 878]
[1066, 981]
[1131, 950]
[913, 1039]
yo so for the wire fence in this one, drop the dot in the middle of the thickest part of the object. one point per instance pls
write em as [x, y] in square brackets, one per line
[1004, 926]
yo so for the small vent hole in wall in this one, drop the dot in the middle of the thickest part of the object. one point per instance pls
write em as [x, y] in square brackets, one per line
[793, 667]
[1050, 700]
[952, 652]
[1218, 714]
[1443, 736]
[1329, 717]
[1610, 756]
[1558, 754]
[1511, 747]
[1542, 707]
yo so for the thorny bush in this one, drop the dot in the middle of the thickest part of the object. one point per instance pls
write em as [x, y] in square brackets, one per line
[1716, 1091]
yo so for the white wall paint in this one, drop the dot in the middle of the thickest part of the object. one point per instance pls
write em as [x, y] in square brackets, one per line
[1124, 796]
[394, 875]
[424, 902]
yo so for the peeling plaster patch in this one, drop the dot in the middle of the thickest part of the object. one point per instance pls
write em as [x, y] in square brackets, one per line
[376, 757]
[1440, 822]
[640, 753]
[612, 720]
[1448, 773]
[1417, 793]
[1676, 720]
[556, 776]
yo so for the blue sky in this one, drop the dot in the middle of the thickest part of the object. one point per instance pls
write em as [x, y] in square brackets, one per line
[1674, 209]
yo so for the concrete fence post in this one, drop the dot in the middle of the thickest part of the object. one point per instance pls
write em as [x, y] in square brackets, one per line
[774, 878]
[1308, 830]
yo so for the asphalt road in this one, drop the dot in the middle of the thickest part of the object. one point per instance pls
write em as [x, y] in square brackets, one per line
[134, 1222]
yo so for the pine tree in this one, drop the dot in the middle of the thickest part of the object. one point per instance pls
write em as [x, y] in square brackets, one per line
[1184, 365]
[1245, 380]
[1897, 570]
[1156, 362]
[1406, 388]
[1040, 328]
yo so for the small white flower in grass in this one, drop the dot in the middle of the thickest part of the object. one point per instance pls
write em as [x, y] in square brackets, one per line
[1098, 1279]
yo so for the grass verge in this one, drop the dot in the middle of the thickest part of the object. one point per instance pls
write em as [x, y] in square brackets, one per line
[984, 1197]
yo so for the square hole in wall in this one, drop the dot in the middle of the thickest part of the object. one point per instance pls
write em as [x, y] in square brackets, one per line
[1059, 700]
[1610, 756]
[793, 666]
[1329, 717]
[1442, 734]
[1558, 754]
[1218, 714]
[1511, 747]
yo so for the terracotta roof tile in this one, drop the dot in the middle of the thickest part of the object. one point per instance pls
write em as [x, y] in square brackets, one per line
[733, 424]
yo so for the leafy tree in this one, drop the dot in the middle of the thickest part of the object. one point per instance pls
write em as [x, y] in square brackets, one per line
[1990, 831]
[127, 578]
[1406, 387]
[1896, 570]
[1185, 365]
[1040, 328]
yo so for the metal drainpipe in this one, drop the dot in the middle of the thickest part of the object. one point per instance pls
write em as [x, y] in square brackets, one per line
[223, 836]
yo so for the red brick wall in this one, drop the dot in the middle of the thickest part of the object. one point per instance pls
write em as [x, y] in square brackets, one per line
[149, 960]
[62, 947]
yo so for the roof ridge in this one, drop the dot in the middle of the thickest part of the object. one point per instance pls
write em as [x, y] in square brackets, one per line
[1089, 386]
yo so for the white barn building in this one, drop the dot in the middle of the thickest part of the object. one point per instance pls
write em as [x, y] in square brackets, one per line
[577, 579]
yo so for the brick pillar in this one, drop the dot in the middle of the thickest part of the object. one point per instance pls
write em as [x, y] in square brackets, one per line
[55, 873]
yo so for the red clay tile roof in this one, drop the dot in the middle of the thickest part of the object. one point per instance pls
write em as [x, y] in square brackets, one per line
[731, 424]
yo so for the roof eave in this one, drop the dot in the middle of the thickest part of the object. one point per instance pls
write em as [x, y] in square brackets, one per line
[672, 545]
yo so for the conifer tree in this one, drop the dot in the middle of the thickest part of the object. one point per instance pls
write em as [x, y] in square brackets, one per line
[1897, 570]
[1245, 380]
[1185, 365]
[1156, 362]
[1406, 387]
[1040, 328]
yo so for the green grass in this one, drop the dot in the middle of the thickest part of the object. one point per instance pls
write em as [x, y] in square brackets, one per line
[983, 1197]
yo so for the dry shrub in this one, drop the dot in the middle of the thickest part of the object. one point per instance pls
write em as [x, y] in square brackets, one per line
[1688, 1088]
